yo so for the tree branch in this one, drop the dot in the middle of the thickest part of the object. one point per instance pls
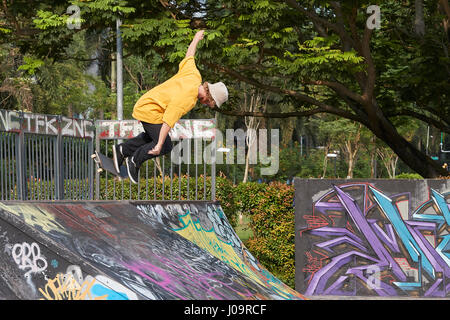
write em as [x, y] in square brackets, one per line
[323, 107]
[339, 88]
[434, 122]
[280, 115]
[319, 20]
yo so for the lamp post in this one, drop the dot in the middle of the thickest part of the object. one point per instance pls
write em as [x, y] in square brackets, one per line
[334, 156]
[226, 151]
[119, 72]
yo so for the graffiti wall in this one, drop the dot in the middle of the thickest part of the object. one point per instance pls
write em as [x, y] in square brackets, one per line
[373, 238]
[205, 225]
[123, 250]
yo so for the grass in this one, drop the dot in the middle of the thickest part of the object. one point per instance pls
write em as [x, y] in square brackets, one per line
[243, 230]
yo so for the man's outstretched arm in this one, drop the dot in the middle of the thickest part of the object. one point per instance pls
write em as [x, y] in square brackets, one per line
[193, 46]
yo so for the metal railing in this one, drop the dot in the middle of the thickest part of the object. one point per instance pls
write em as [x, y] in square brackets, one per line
[164, 177]
[48, 157]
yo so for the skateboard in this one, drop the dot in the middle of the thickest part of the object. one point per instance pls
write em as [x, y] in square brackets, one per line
[106, 164]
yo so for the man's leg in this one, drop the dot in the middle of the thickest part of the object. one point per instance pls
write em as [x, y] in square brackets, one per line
[128, 148]
[141, 153]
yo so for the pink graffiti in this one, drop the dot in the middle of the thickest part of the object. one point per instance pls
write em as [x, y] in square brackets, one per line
[206, 283]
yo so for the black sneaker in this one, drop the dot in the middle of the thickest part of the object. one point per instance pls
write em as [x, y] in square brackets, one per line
[133, 171]
[117, 157]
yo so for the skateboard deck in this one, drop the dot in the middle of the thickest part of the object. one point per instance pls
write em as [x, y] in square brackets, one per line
[106, 164]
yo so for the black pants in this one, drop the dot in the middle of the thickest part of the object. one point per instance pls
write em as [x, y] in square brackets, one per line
[139, 146]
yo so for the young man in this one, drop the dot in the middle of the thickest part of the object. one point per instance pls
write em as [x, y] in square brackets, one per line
[160, 108]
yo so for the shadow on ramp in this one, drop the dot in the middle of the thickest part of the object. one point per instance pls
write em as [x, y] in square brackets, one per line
[124, 250]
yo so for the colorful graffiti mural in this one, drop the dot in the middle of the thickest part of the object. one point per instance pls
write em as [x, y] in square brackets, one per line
[360, 239]
[120, 250]
[229, 248]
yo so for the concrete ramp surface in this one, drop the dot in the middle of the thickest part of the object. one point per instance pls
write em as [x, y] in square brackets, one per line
[117, 250]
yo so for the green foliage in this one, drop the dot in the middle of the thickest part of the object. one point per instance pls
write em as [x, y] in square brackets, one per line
[63, 88]
[411, 176]
[273, 43]
[46, 20]
[270, 210]
[31, 65]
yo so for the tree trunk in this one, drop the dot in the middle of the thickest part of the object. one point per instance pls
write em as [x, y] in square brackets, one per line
[325, 160]
[389, 160]
[419, 22]
[252, 125]
[407, 152]
[351, 149]
[445, 7]
[373, 157]
[350, 168]
[113, 73]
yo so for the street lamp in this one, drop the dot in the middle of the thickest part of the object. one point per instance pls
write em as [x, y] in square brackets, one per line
[334, 156]
[226, 150]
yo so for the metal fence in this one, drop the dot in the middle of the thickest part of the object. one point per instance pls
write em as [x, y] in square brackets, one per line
[187, 173]
[48, 157]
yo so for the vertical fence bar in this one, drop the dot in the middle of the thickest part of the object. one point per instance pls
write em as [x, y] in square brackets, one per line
[146, 180]
[97, 174]
[5, 167]
[52, 168]
[213, 169]
[66, 180]
[179, 177]
[31, 166]
[171, 178]
[204, 168]
[154, 178]
[21, 166]
[45, 165]
[188, 176]
[163, 176]
[1, 166]
[91, 169]
[9, 166]
[139, 186]
[71, 166]
[59, 152]
[106, 172]
[79, 168]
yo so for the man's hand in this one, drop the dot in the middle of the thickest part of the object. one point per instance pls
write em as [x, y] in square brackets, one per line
[165, 128]
[156, 150]
[193, 46]
[199, 35]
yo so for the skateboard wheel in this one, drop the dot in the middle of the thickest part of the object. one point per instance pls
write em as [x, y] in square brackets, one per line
[93, 156]
[99, 170]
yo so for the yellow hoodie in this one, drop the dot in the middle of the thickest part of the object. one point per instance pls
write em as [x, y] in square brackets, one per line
[172, 99]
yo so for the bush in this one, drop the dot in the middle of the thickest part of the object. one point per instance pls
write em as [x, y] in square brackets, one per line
[410, 176]
[271, 213]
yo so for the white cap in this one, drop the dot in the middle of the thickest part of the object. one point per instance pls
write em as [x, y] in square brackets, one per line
[219, 92]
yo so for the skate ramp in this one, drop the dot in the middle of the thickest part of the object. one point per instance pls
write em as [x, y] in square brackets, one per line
[125, 250]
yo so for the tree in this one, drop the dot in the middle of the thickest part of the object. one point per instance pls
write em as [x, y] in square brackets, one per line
[368, 76]
[251, 102]
[344, 135]
[320, 56]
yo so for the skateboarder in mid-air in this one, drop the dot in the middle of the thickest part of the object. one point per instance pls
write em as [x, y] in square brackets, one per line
[160, 108]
